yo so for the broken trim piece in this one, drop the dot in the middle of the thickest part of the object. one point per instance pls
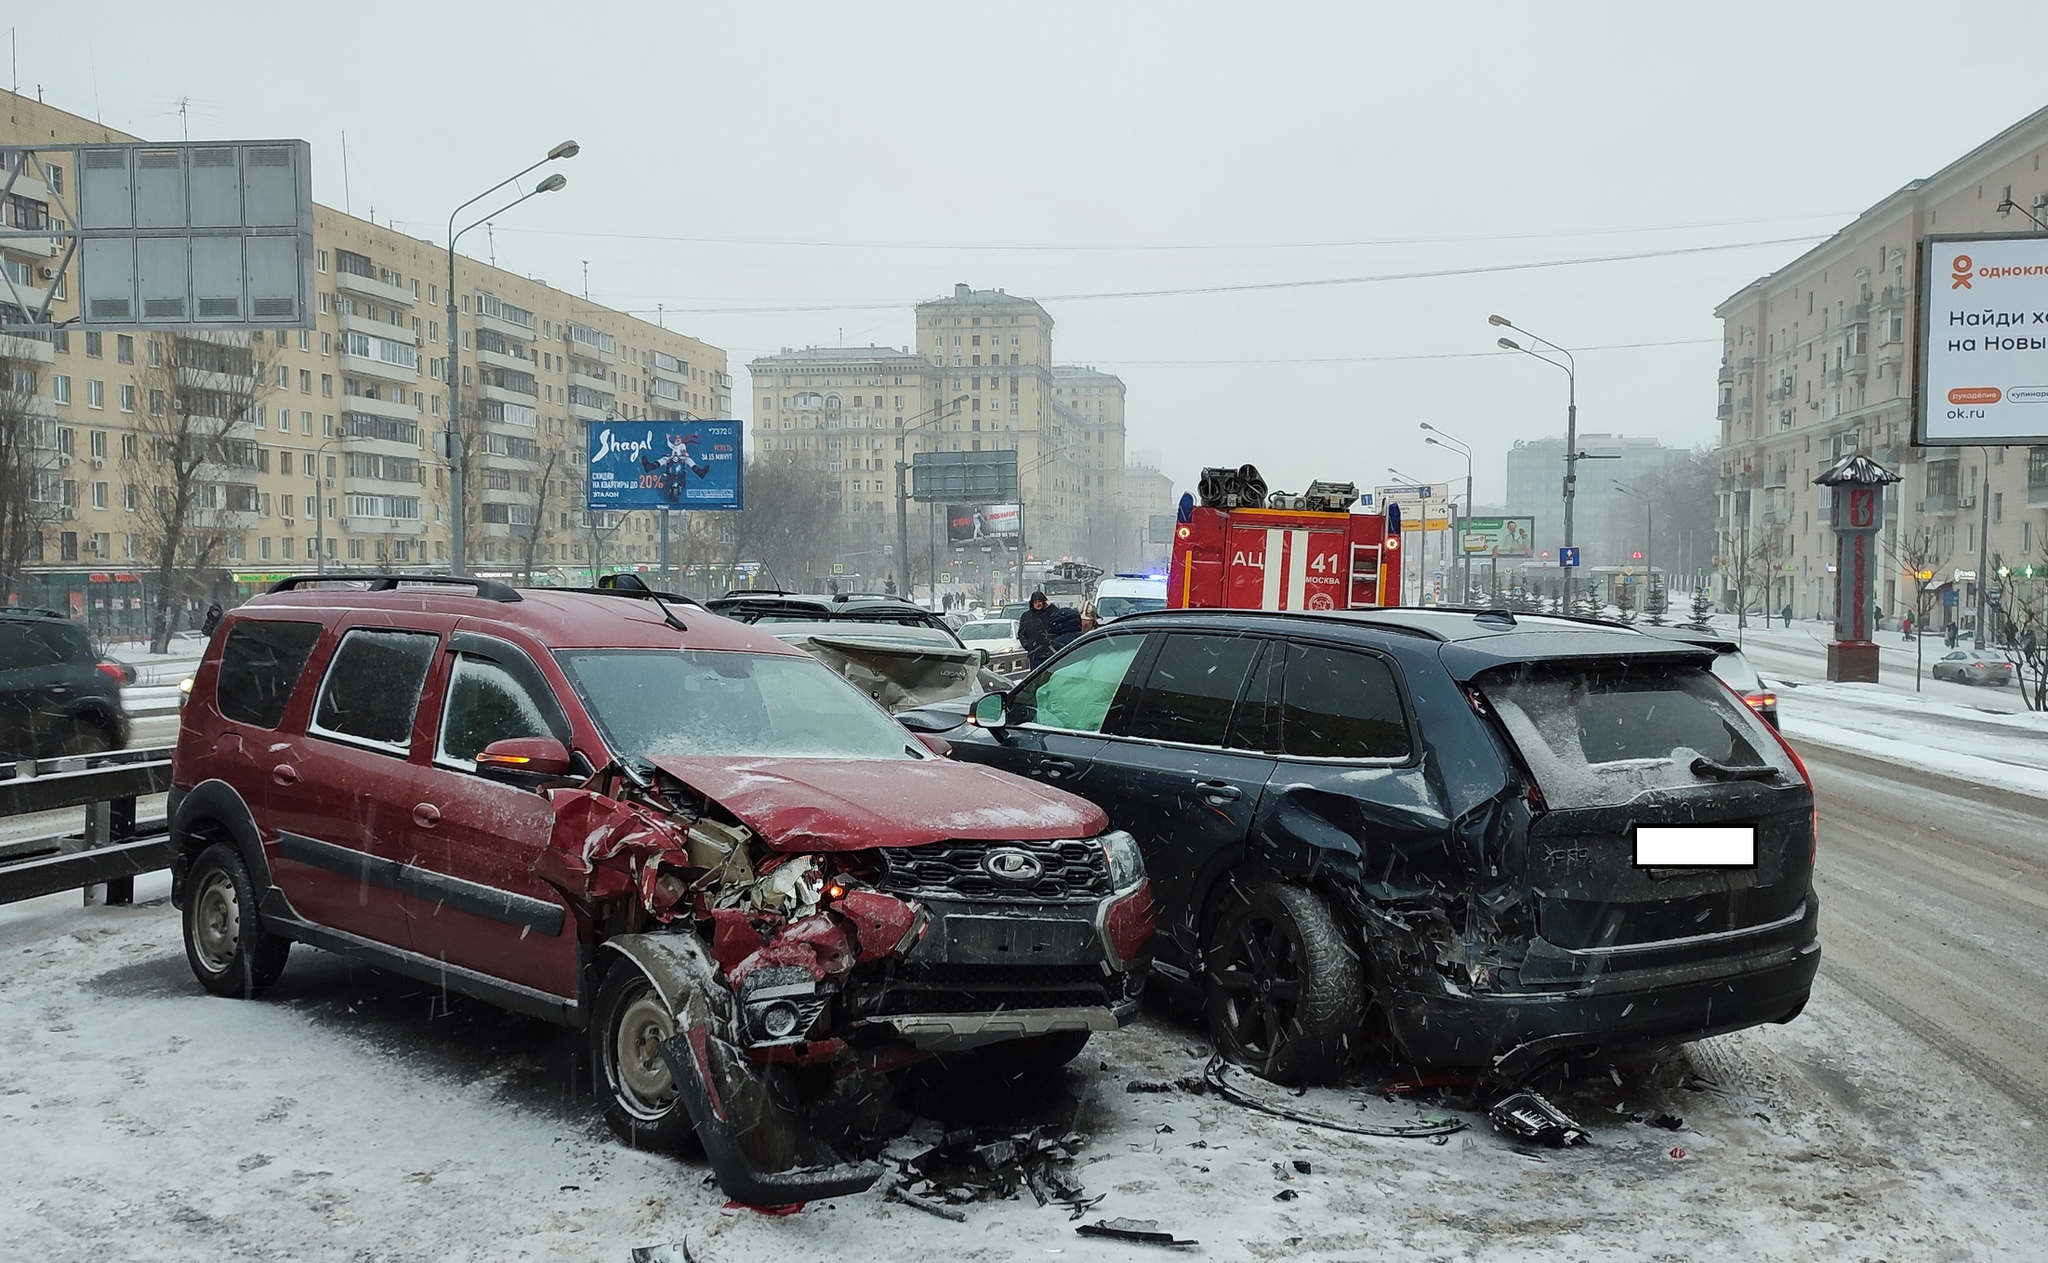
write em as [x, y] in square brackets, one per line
[1216, 1077]
[967, 1030]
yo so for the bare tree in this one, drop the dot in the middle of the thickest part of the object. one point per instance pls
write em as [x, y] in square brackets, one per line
[543, 486]
[790, 518]
[201, 388]
[28, 460]
[1748, 560]
[1920, 557]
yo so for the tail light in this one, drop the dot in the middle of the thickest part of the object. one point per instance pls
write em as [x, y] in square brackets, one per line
[1757, 702]
[112, 671]
[1761, 702]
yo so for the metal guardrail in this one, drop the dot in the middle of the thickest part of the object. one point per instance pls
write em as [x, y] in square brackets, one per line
[111, 850]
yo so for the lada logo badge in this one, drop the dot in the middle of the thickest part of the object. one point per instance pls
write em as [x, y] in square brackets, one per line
[1008, 864]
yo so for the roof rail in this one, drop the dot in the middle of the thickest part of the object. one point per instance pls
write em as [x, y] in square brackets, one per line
[637, 594]
[36, 610]
[486, 589]
[759, 592]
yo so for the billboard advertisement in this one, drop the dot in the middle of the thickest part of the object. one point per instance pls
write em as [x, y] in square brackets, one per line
[1496, 536]
[1983, 340]
[979, 523]
[665, 465]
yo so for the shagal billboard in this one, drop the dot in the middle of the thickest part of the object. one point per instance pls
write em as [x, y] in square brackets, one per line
[1983, 340]
[665, 465]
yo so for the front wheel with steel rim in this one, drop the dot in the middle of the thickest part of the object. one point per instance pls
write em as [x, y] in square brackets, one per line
[629, 1021]
[1283, 988]
[229, 950]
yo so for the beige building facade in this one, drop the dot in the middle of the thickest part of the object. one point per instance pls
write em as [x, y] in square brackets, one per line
[338, 465]
[1818, 362]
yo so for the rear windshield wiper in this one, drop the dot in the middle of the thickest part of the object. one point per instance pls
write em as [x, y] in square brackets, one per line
[1704, 766]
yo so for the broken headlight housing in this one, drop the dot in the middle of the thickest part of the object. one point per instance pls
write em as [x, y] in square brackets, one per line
[1126, 862]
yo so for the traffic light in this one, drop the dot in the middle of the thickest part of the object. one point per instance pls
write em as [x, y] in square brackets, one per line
[1637, 555]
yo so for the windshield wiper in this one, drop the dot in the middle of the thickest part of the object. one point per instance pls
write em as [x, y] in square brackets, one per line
[1704, 766]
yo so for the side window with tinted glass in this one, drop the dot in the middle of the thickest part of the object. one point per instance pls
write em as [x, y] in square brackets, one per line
[1192, 688]
[489, 702]
[372, 689]
[1341, 705]
[259, 668]
[1076, 694]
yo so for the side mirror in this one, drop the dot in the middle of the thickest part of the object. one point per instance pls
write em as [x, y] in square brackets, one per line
[990, 711]
[981, 657]
[533, 756]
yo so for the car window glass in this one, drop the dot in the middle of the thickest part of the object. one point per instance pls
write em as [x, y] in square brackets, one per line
[259, 668]
[1735, 669]
[1191, 689]
[1256, 725]
[1076, 694]
[372, 689]
[742, 705]
[65, 640]
[487, 703]
[21, 648]
[1606, 735]
[1341, 705]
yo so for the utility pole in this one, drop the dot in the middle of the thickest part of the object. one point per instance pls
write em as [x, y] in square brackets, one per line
[1983, 545]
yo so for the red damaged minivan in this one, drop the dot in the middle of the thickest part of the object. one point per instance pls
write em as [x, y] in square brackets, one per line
[622, 812]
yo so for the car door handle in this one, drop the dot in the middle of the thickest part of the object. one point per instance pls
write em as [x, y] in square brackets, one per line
[285, 774]
[426, 815]
[1055, 768]
[1218, 791]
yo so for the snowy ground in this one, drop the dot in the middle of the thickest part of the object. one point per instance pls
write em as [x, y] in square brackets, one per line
[366, 1118]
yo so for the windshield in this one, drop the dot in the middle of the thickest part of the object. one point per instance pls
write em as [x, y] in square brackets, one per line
[1605, 736]
[1108, 607]
[989, 631]
[742, 705]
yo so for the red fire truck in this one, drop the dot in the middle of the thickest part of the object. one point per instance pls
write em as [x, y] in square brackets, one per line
[1292, 558]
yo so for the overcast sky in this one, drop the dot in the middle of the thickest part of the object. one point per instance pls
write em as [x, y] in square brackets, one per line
[789, 175]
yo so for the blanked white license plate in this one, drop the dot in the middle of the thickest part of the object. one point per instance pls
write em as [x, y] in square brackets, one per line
[1696, 846]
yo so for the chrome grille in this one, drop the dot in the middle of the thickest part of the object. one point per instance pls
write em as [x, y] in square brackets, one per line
[1071, 869]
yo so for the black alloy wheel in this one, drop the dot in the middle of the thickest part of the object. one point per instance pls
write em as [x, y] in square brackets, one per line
[1284, 989]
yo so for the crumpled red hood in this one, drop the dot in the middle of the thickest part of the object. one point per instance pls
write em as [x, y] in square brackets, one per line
[855, 804]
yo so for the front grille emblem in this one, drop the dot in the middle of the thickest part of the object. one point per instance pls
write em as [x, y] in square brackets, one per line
[1013, 866]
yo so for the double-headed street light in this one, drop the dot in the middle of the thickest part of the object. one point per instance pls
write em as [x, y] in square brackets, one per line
[1571, 423]
[458, 470]
[1437, 438]
[939, 411]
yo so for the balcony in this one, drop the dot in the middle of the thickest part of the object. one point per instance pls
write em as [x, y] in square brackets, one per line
[378, 328]
[380, 407]
[371, 366]
[1939, 504]
[1726, 376]
[372, 288]
[1890, 354]
[1856, 366]
[2037, 493]
[499, 359]
[597, 384]
[36, 349]
[1724, 411]
[1894, 296]
[506, 394]
[1856, 313]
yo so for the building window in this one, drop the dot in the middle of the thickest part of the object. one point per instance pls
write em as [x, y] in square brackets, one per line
[99, 495]
[127, 447]
[124, 348]
[92, 346]
[95, 394]
[60, 388]
[305, 381]
[127, 397]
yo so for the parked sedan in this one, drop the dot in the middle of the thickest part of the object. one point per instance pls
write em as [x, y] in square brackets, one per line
[1973, 666]
[1498, 840]
[1006, 654]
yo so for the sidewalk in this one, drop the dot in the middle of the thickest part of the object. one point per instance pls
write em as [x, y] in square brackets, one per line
[1978, 734]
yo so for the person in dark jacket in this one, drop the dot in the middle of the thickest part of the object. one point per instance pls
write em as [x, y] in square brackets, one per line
[212, 619]
[1066, 625]
[1034, 629]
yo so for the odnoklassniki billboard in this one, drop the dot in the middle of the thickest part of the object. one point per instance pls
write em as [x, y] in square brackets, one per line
[1983, 340]
[666, 465]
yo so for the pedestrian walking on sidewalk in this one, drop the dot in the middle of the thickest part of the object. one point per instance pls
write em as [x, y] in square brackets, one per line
[1905, 627]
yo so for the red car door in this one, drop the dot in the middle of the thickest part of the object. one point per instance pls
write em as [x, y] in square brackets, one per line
[474, 900]
[340, 796]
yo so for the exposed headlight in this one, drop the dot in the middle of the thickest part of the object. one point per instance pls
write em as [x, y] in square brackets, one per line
[1126, 862]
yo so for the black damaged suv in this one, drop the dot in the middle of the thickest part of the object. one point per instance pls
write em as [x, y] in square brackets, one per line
[1497, 841]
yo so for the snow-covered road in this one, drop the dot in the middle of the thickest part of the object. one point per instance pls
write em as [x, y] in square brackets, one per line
[358, 1116]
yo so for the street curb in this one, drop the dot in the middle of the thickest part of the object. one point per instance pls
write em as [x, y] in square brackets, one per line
[1994, 795]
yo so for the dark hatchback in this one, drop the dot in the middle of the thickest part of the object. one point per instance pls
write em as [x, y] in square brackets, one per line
[1424, 826]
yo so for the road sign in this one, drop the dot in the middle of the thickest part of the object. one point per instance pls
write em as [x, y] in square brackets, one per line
[1568, 556]
[838, 567]
[964, 477]
[945, 576]
[207, 235]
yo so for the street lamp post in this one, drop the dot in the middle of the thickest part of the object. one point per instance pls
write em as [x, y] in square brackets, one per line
[320, 502]
[458, 470]
[903, 498]
[1649, 540]
[1437, 438]
[1571, 424]
[1421, 527]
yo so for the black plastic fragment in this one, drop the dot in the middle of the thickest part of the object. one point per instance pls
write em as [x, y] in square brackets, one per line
[1142, 1231]
[1528, 1116]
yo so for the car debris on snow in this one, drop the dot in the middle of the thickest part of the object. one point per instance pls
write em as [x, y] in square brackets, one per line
[1528, 1116]
[1143, 1231]
[970, 1166]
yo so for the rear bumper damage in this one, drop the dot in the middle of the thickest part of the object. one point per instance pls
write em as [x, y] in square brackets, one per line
[1511, 1033]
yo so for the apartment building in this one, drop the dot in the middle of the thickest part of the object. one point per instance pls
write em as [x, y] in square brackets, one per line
[1097, 401]
[337, 464]
[851, 412]
[1607, 525]
[1817, 362]
[1147, 493]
